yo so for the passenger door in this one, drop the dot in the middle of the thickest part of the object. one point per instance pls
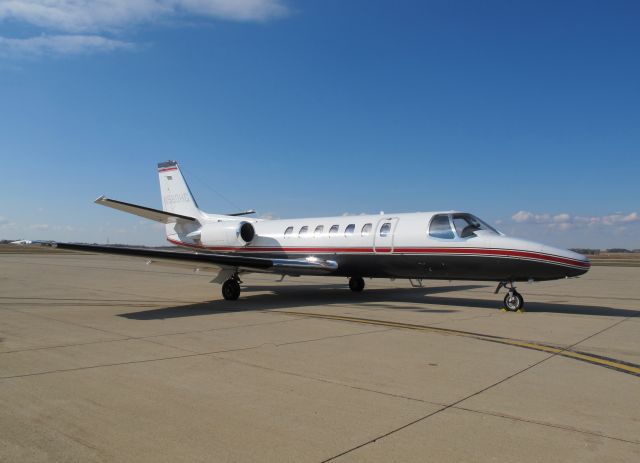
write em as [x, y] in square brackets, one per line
[383, 237]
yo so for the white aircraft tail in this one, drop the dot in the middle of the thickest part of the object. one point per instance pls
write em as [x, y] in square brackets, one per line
[180, 213]
[176, 195]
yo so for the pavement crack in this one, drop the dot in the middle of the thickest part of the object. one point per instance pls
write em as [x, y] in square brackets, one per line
[190, 353]
[332, 337]
[549, 425]
[474, 394]
[144, 338]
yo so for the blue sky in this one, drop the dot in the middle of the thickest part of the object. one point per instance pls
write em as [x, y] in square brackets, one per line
[525, 113]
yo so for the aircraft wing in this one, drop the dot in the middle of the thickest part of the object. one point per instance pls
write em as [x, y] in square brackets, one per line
[211, 262]
[143, 211]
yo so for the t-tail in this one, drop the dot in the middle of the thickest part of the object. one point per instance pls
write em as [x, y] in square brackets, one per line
[184, 220]
[175, 193]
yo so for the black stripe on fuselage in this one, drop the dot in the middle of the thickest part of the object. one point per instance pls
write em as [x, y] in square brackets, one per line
[445, 266]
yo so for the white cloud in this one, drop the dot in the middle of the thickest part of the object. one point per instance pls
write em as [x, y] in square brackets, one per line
[529, 217]
[59, 45]
[566, 221]
[79, 26]
[108, 15]
[562, 218]
[38, 226]
[6, 224]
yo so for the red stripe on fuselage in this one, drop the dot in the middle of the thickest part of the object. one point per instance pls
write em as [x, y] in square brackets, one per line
[166, 169]
[398, 250]
[495, 252]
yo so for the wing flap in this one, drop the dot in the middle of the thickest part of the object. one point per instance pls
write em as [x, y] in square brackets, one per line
[143, 211]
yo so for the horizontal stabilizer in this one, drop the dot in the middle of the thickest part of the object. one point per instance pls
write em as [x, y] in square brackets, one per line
[236, 214]
[142, 211]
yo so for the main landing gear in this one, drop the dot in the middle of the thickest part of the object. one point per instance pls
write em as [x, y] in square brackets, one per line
[356, 284]
[513, 301]
[231, 288]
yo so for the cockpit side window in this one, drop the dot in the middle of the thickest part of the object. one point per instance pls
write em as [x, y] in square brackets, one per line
[441, 227]
[466, 225]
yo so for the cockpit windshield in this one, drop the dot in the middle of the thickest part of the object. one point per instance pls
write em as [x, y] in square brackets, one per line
[467, 224]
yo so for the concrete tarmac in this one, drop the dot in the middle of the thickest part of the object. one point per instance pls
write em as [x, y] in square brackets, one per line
[107, 359]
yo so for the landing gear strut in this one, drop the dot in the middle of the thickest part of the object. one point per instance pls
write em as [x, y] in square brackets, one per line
[231, 288]
[513, 301]
[356, 284]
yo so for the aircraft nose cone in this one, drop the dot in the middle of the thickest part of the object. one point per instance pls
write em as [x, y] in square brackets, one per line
[579, 264]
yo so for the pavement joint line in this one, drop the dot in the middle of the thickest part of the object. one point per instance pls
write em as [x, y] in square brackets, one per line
[543, 423]
[107, 291]
[568, 352]
[415, 399]
[189, 354]
[331, 337]
[104, 365]
[80, 325]
[454, 404]
[136, 338]
[91, 300]
[144, 268]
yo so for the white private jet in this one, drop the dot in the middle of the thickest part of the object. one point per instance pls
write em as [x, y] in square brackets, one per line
[445, 245]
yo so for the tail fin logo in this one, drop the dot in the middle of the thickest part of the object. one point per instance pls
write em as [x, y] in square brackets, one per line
[176, 198]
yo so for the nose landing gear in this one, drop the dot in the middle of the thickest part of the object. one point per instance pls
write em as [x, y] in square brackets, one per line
[513, 301]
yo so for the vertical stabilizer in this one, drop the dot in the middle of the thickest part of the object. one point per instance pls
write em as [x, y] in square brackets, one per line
[176, 195]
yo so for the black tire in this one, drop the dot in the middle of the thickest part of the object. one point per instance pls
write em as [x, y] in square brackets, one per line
[356, 284]
[513, 301]
[231, 290]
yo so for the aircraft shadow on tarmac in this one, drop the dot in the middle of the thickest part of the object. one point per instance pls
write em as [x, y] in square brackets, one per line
[416, 299]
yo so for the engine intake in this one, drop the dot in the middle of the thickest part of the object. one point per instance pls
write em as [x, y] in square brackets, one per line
[247, 232]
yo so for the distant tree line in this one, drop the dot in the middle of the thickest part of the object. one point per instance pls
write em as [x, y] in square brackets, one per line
[586, 252]
[595, 252]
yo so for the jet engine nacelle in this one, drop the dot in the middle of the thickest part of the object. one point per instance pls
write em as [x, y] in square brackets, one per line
[229, 233]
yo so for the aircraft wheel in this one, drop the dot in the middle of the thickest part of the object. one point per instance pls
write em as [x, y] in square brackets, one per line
[356, 284]
[513, 301]
[231, 290]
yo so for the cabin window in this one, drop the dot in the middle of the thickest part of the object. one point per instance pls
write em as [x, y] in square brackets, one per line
[366, 229]
[385, 230]
[303, 231]
[288, 231]
[318, 230]
[441, 227]
[333, 230]
[350, 229]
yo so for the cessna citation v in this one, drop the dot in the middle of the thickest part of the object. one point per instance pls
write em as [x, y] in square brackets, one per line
[425, 245]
